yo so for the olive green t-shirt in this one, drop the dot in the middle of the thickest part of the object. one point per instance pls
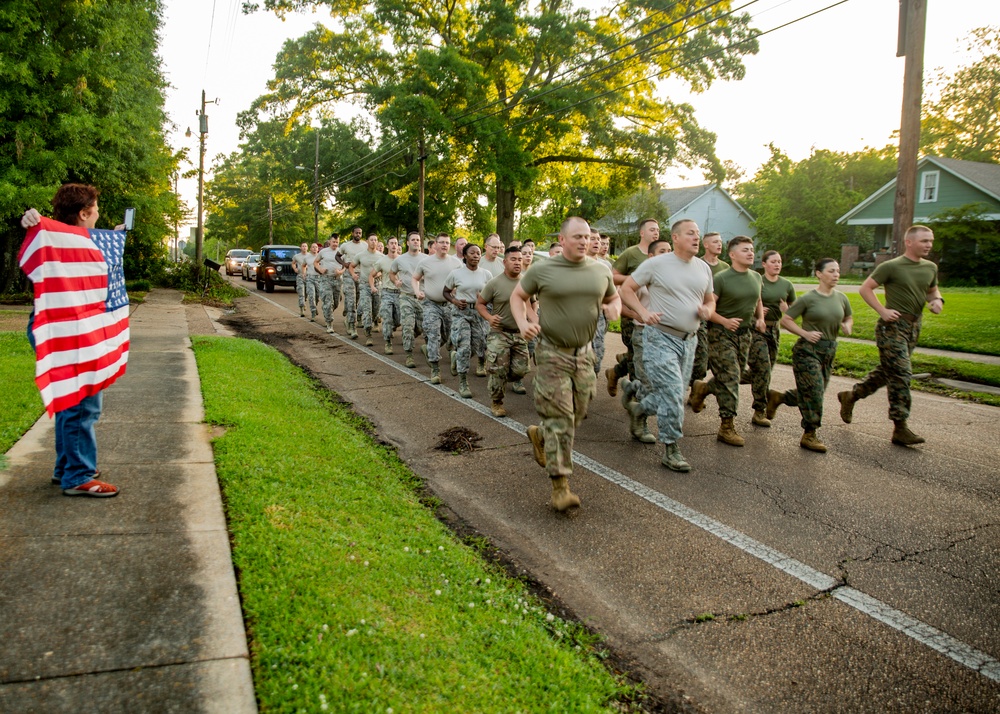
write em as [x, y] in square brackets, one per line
[630, 259]
[737, 294]
[498, 292]
[906, 283]
[821, 313]
[771, 294]
[569, 298]
[718, 267]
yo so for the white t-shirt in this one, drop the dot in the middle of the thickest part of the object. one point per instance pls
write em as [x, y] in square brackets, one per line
[676, 289]
[467, 284]
[403, 266]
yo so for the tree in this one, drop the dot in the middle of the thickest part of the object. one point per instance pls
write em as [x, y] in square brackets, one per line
[964, 121]
[510, 89]
[969, 245]
[797, 204]
[81, 99]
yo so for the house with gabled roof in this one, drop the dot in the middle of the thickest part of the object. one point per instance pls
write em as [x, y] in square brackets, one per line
[709, 205]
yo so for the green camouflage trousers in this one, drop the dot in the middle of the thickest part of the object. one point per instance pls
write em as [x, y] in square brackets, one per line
[564, 385]
[811, 364]
[727, 353]
[506, 358]
[329, 294]
[389, 311]
[411, 315]
[468, 334]
[700, 368]
[895, 342]
[760, 362]
[627, 365]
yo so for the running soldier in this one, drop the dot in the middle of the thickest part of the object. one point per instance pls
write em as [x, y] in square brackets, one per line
[389, 302]
[777, 294]
[461, 289]
[910, 281]
[345, 253]
[506, 350]
[573, 290]
[433, 270]
[312, 279]
[679, 296]
[360, 267]
[299, 268]
[738, 309]
[593, 250]
[330, 280]
[411, 311]
[493, 258]
[713, 249]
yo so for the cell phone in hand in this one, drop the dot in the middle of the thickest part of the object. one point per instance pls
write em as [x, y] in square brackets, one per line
[129, 218]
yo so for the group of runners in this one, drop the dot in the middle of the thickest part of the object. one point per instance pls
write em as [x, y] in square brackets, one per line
[681, 316]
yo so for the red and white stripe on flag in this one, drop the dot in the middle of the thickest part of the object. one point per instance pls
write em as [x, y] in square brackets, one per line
[80, 347]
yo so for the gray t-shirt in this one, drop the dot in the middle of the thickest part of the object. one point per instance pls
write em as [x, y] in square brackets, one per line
[382, 266]
[467, 284]
[403, 266]
[310, 263]
[327, 259]
[495, 266]
[434, 272]
[676, 289]
[350, 249]
[364, 262]
[299, 262]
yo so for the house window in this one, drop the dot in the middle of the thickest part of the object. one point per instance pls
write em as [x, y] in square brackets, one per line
[929, 187]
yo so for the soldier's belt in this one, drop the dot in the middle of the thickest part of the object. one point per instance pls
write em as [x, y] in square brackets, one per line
[566, 350]
[679, 334]
[912, 319]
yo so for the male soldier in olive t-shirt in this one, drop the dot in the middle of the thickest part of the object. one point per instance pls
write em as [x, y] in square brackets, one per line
[712, 243]
[738, 309]
[910, 282]
[572, 289]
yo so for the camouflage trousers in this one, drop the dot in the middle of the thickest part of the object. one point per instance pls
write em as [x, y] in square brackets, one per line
[437, 322]
[727, 353]
[367, 305]
[699, 370]
[634, 387]
[760, 361]
[350, 301]
[811, 365]
[468, 335]
[300, 289]
[666, 370]
[598, 343]
[312, 292]
[626, 366]
[564, 385]
[506, 358]
[389, 312]
[895, 342]
[329, 294]
[411, 317]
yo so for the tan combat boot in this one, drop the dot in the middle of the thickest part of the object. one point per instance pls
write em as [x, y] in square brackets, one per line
[481, 367]
[562, 498]
[846, 400]
[497, 409]
[727, 433]
[609, 374]
[368, 337]
[388, 348]
[435, 373]
[463, 386]
[811, 441]
[538, 444]
[699, 390]
[774, 400]
[410, 362]
[759, 419]
[902, 435]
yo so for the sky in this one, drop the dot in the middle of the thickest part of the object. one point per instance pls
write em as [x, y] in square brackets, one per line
[831, 81]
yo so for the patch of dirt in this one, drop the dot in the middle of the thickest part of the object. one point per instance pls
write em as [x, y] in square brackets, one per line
[458, 439]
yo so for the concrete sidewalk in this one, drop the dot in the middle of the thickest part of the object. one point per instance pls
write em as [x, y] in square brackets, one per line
[128, 603]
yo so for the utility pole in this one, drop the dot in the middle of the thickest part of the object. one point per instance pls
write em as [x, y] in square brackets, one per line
[270, 220]
[173, 253]
[912, 28]
[316, 191]
[202, 132]
[420, 185]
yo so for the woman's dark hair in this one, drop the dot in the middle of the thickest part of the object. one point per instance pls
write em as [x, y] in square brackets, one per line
[768, 254]
[822, 263]
[70, 199]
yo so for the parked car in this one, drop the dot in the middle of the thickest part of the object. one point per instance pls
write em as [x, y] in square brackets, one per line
[250, 266]
[275, 267]
[234, 260]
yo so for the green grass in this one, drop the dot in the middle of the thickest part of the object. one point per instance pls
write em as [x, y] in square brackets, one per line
[356, 597]
[22, 403]
[854, 360]
[970, 321]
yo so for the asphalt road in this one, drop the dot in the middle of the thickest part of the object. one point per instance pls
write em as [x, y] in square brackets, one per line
[767, 579]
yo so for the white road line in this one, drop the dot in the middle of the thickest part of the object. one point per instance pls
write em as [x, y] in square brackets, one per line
[949, 646]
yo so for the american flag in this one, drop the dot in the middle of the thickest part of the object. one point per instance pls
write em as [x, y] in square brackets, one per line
[81, 310]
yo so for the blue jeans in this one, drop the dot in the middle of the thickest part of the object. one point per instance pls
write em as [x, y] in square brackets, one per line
[667, 362]
[76, 442]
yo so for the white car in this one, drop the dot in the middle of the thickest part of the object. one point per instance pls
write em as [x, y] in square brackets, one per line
[235, 259]
[250, 266]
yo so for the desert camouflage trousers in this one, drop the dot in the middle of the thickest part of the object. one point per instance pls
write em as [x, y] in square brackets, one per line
[895, 342]
[411, 316]
[564, 385]
[598, 343]
[506, 359]
[389, 312]
[699, 370]
[329, 294]
[811, 365]
[437, 322]
[468, 335]
[727, 353]
[760, 361]
[666, 369]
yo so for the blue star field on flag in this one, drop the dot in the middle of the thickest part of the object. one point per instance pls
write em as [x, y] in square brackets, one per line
[112, 246]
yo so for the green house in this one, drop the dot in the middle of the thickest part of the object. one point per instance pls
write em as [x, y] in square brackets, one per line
[942, 184]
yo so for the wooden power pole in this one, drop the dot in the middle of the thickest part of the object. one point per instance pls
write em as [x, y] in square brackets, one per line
[912, 26]
[420, 186]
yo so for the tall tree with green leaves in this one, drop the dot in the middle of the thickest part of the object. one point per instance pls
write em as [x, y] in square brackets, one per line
[512, 87]
[963, 122]
[81, 99]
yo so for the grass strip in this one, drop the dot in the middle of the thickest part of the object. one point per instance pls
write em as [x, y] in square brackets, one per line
[356, 597]
[22, 402]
